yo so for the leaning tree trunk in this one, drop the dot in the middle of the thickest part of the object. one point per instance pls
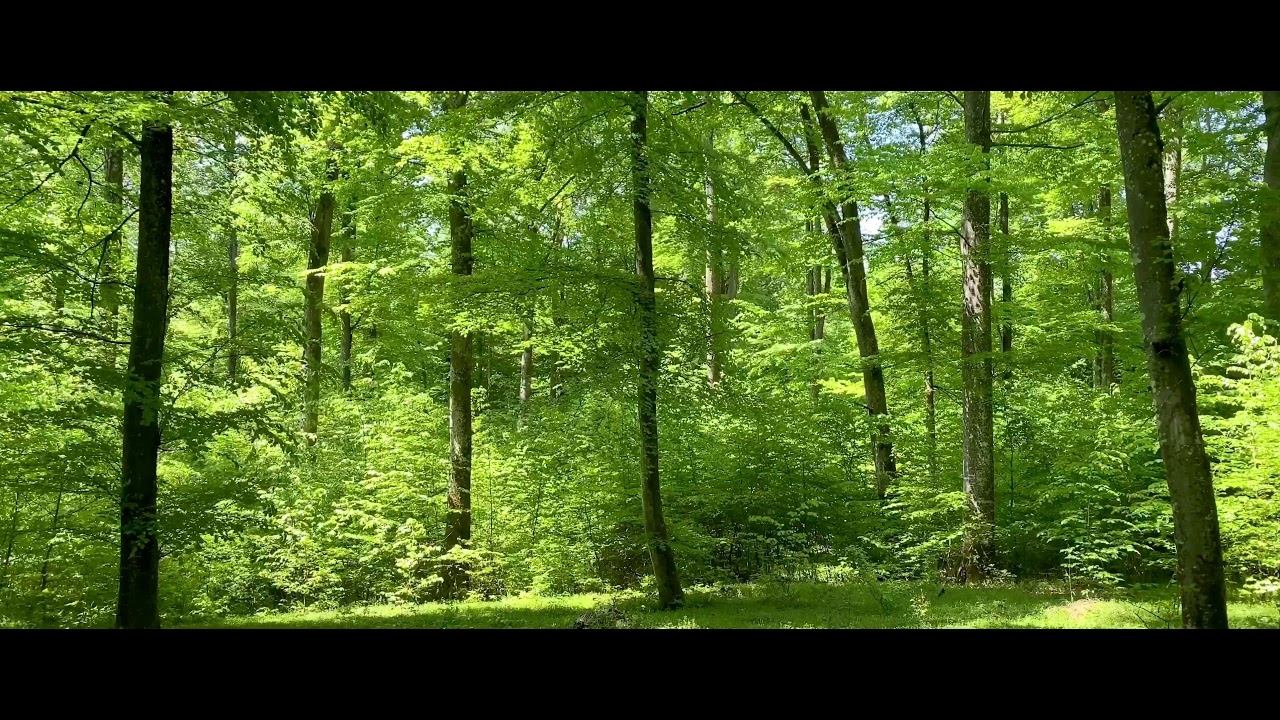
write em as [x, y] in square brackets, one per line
[1106, 372]
[1271, 208]
[317, 259]
[457, 531]
[1195, 513]
[975, 327]
[850, 231]
[670, 594]
[139, 542]
[344, 315]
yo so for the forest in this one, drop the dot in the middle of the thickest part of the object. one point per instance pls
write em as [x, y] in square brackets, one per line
[641, 359]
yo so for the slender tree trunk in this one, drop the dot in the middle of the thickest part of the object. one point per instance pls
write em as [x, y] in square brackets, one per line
[113, 165]
[670, 594]
[1195, 513]
[850, 233]
[233, 270]
[1106, 373]
[13, 535]
[53, 529]
[979, 437]
[344, 315]
[317, 259]
[457, 531]
[1006, 281]
[1271, 208]
[526, 366]
[714, 281]
[139, 542]
[930, 392]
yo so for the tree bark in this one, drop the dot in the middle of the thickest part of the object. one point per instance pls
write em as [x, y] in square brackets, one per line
[1106, 374]
[461, 359]
[1195, 514]
[1271, 208]
[670, 594]
[317, 259]
[930, 392]
[113, 192]
[526, 366]
[233, 269]
[344, 315]
[715, 281]
[139, 543]
[1006, 281]
[979, 438]
[850, 233]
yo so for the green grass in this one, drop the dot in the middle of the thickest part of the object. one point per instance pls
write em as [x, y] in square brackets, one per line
[797, 606]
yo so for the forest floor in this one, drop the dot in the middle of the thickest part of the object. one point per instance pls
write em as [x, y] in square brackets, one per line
[888, 605]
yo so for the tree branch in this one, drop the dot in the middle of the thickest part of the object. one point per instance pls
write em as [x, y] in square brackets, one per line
[791, 149]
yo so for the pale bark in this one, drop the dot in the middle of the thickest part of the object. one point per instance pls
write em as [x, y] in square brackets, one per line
[1106, 373]
[1195, 514]
[715, 282]
[1271, 208]
[344, 299]
[978, 444]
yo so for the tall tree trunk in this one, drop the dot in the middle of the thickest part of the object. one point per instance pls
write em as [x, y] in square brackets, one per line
[457, 532]
[930, 392]
[344, 315]
[850, 232]
[317, 259]
[714, 281]
[113, 192]
[1006, 281]
[233, 270]
[1271, 208]
[526, 366]
[13, 535]
[1195, 513]
[139, 542]
[979, 438]
[670, 594]
[1106, 353]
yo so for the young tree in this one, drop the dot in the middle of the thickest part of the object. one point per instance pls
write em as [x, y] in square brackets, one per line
[317, 259]
[1195, 514]
[670, 594]
[139, 540]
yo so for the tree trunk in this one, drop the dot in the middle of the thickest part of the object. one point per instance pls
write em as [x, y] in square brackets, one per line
[670, 594]
[344, 315]
[526, 366]
[139, 543]
[850, 233]
[53, 529]
[1271, 208]
[1106, 374]
[930, 392]
[1195, 514]
[457, 532]
[233, 270]
[317, 259]
[714, 282]
[113, 165]
[979, 438]
[1006, 282]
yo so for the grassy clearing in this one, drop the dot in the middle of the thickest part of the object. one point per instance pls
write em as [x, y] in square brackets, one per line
[797, 606]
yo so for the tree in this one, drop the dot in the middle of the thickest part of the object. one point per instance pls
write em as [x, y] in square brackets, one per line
[979, 463]
[461, 359]
[137, 606]
[1271, 207]
[670, 594]
[317, 259]
[1195, 514]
